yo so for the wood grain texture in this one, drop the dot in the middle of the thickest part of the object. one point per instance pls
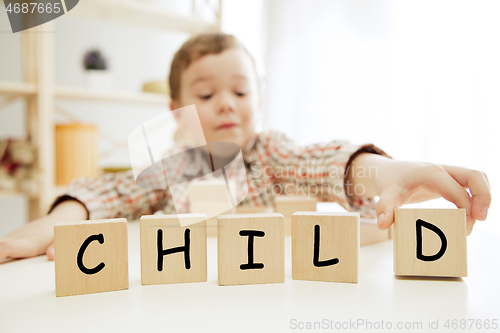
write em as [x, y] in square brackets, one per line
[289, 204]
[199, 207]
[369, 233]
[338, 238]
[210, 197]
[242, 209]
[247, 209]
[113, 252]
[173, 235]
[233, 249]
[452, 223]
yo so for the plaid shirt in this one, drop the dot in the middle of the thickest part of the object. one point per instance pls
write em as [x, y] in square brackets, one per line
[275, 165]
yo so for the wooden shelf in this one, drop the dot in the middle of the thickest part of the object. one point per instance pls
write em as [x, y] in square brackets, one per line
[69, 93]
[13, 193]
[141, 14]
[8, 193]
[59, 190]
[13, 88]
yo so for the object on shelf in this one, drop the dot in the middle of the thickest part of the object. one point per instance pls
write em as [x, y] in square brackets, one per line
[98, 80]
[97, 75]
[17, 166]
[95, 60]
[76, 152]
[158, 87]
[112, 169]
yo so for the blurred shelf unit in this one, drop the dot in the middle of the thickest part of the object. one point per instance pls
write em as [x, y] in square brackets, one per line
[12, 88]
[41, 93]
[69, 93]
[21, 89]
[9, 193]
[144, 14]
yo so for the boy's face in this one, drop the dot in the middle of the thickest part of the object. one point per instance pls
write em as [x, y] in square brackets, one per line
[224, 89]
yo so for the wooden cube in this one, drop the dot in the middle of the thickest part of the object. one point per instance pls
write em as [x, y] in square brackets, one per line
[199, 207]
[325, 246]
[171, 253]
[247, 209]
[91, 256]
[251, 249]
[369, 233]
[209, 190]
[430, 242]
[289, 204]
[212, 222]
[210, 197]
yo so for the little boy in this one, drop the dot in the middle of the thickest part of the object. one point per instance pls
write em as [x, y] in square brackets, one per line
[217, 74]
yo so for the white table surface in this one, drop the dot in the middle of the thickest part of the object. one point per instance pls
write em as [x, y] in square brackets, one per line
[28, 302]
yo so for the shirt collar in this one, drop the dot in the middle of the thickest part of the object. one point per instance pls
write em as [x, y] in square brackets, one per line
[249, 152]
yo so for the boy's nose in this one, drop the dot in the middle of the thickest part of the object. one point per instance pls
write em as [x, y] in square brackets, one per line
[226, 103]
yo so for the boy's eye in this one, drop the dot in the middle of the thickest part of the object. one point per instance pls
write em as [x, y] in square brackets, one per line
[240, 94]
[205, 96]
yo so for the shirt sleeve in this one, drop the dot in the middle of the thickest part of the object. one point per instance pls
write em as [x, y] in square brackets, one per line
[318, 170]
[115, 195]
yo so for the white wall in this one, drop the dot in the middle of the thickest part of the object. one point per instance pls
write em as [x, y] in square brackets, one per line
[418, 78]
[245, 19]
[14, 212]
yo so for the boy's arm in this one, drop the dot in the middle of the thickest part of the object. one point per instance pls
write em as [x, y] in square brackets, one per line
[401, 182]
[116, 195]
[36, 238]
[317, 170]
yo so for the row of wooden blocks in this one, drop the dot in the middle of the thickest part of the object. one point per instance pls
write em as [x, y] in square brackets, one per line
[285, 205]
[92, 256]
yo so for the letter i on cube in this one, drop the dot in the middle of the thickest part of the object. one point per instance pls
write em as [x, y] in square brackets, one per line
[251, 249]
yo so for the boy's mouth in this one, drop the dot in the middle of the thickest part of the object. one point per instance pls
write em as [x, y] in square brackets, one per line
[226, 126]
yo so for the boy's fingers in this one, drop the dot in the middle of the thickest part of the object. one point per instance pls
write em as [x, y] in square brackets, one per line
[4, 250]
[50, 252]
[479, 186]
[444, 184]
[18, 248]
[389, 200]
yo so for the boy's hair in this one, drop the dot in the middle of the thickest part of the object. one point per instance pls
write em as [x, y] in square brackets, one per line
[195, 48]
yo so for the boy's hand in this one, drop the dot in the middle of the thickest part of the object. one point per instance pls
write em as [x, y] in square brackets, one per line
[401, 182]
[30, 240]
[37, 237]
